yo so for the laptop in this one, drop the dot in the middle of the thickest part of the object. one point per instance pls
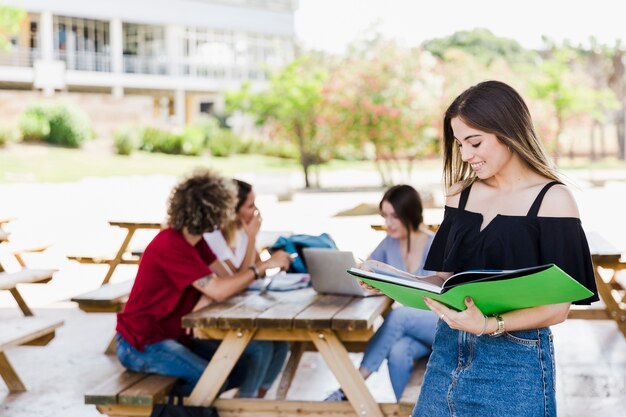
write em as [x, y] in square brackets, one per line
[327, 268]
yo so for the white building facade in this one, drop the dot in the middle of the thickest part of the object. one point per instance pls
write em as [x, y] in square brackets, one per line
[182, 54]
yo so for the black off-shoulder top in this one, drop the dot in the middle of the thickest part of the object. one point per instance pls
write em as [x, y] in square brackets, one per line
[511, 242]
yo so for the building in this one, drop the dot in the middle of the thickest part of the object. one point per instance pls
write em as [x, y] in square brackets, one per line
[119, 60]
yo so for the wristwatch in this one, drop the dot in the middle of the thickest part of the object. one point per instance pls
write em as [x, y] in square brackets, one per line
[255, 270]
[500, 330]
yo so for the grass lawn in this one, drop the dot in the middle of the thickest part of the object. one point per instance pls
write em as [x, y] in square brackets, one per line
[37, 163]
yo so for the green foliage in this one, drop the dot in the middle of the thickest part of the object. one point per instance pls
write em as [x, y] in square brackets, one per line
[278, 148]
[384, 96]
[126, 140]
[192, 141]
[68, 126]
[10, 20]
[58, 123]
[159, 140]
[33, 124]
[483, 45]
[8, 134]
[210, 127]
[225, 143]
[290, 106]
[188, 142]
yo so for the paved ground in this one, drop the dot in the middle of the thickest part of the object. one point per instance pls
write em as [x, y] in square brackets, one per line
[591, 356]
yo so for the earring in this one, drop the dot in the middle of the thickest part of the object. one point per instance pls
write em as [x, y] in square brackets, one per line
[509, 148]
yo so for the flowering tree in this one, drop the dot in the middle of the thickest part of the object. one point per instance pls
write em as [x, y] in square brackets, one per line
[568, 91]
[383, 95]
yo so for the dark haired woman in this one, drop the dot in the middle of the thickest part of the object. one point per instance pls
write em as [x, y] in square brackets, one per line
[505, 209]
[407, 333]
[235, 243]
[174, 273]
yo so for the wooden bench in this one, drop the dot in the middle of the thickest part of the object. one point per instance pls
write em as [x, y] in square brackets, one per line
[130, 393]
[109, 298]
[135, 394]
[10, 280]
[23, 331]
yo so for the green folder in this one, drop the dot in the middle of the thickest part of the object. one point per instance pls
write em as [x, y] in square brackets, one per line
[492, 291]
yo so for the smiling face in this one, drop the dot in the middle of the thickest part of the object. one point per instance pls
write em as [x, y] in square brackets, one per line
[394, 225]
[247, 209]
[484, 153]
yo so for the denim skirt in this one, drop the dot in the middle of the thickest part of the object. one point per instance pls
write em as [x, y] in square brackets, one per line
[468, 376]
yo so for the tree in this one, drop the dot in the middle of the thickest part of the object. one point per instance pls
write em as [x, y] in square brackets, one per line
[291, 105]
[10, 20]
[566, 91]
[483, 45]
[383, 95]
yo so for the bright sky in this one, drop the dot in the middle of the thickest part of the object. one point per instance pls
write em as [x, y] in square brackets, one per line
[331, 24]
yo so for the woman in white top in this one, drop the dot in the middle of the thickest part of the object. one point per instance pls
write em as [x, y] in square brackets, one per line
[235, 245]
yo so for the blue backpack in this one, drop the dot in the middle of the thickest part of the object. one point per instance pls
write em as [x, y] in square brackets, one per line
[295, 243]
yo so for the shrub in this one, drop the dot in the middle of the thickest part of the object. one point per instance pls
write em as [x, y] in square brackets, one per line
[192, 141]
[225, 143]
[127, 140]
[209, 126]
[188, 142]
[34, 125]
[68, 126]
[158, 140]
[8, 134]
[60, 124]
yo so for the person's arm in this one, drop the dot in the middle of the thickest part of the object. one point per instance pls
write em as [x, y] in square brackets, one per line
[251, 255]
[219, 288]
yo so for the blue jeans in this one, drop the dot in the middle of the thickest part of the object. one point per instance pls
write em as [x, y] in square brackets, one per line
[406, 335]
[512, 375]
[258, 366]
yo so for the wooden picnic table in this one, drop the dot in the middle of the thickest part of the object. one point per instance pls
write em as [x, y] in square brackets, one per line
[331, 324]
[612, 291]
[119, 258]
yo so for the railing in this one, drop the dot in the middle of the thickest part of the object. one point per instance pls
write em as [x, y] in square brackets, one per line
[17, 57]
[146, 65]
[193, 68]
[101, 62]
[85, 61]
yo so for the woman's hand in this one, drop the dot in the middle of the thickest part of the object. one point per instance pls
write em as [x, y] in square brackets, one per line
[254, 225]
[369, 288]
[471, 320]
[279, 259]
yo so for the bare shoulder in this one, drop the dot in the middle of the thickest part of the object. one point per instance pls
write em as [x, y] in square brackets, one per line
[559, 202]
[454, 194]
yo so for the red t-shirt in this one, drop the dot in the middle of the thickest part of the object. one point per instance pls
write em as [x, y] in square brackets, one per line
[162, 293]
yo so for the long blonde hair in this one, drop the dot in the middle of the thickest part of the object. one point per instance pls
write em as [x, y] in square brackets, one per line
[493, 107]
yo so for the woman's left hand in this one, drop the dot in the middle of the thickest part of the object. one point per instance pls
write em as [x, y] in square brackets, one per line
[471, 320]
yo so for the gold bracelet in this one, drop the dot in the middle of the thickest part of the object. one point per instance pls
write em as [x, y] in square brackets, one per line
[484, 327]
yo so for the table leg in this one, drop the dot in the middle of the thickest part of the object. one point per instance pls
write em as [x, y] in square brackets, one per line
[297, 349]
[352, 383]
[605, 290]
[20, 302]
[222, 363]
[118, 257]
[10, 377]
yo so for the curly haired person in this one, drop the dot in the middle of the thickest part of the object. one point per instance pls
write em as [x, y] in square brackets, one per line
[173, 277]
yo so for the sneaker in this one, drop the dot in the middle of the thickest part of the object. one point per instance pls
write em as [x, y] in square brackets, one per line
[336, 396]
